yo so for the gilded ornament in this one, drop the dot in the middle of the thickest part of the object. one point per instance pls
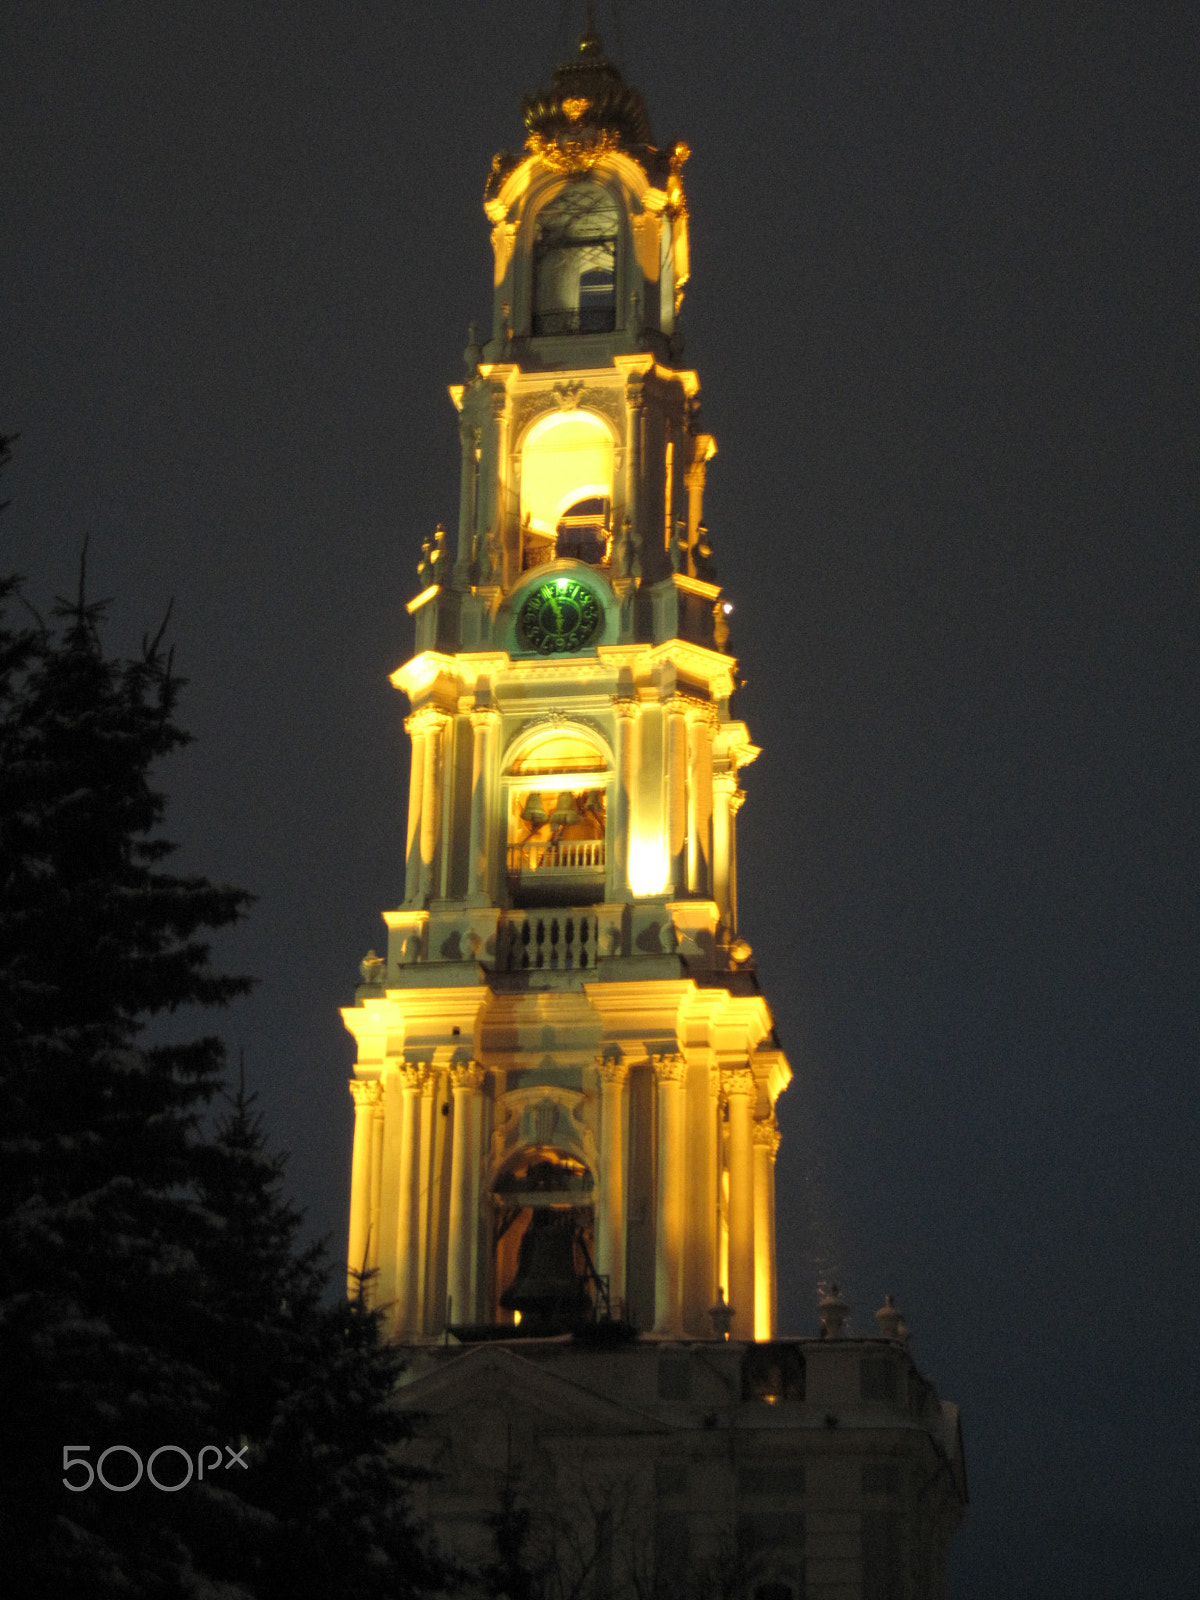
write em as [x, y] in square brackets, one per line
[572, 155]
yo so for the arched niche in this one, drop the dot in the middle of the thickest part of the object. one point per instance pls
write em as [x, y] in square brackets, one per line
[545, 1183]
[566, 468]
[575, 238]
[557, 784]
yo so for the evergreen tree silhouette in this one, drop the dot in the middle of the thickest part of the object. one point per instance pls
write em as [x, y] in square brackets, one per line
[308, 1386]
[154, 1286]
[99, 1275]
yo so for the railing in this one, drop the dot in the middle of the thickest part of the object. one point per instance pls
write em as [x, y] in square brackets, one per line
[537, 554]
[541, 942]
[567, 858]
[575, 319]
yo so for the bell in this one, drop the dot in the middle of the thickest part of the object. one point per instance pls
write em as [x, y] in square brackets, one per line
[548, 1292]
[534, 812]
[566, 812]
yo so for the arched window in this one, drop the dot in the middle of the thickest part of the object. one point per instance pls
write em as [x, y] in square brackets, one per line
[557, 804]
[566, 488]
[575, 262]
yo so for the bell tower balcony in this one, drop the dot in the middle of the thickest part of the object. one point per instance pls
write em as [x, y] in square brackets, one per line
[570, 872]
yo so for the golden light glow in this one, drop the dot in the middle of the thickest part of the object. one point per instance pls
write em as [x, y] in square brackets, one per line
[647, 866]
[567, 457]
[423, 598]
[575, 106]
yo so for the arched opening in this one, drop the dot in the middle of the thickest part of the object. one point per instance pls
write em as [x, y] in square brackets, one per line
[575, 262]
[567, 488]
[542, 1207]
[584, 531]
[557, 822]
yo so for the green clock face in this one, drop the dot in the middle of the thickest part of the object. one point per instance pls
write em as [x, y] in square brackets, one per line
[560, 615]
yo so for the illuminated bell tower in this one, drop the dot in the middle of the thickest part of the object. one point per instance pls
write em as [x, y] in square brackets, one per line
[566, 1073]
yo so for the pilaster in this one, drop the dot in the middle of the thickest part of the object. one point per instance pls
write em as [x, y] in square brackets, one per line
[408, 1269]
[423, 1286]
[435, 732]
[612, 1072]
[485, 723]
[724, 789]
[700, 800]
[364, 1179]
[469, 438]
[417, 727]
[740, 1093]
[466, 1081]
[766, 1144]
[675, 793]
[669, 1073]
[627, 716]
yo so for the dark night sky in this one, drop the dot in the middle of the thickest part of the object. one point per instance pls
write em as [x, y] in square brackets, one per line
[944, 312]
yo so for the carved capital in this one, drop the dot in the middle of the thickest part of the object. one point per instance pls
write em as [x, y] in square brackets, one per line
[670, 1067]
[365, 1092]
[766, 1133]
[466, 1075]
[425, 719]
[612, 1069]
[738, 1083]
[485, 717]
[413, 1074]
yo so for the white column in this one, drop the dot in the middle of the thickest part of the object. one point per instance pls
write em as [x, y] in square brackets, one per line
[675, 793]
[626, 716]
[448, 786]
[694, 480]
[430, 805]
[416, 725]
[376, 1196]
[468, 435]
[465, 1082]
[740, 1094]
[424, 1195]
[635, 456]
[735, 805]
[477, 1220]
[669, 1074]
[490, 513]
[766, 1143]
[610, 1214]
[407, 1210]
[699, 804]
[483, 823]
[366, 1098]
[391, 1117]
[713, 1186]
[724, 784]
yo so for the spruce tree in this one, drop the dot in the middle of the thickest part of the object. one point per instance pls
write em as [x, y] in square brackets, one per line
[99, 1233]
[154, 1286]
[309, 1386]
